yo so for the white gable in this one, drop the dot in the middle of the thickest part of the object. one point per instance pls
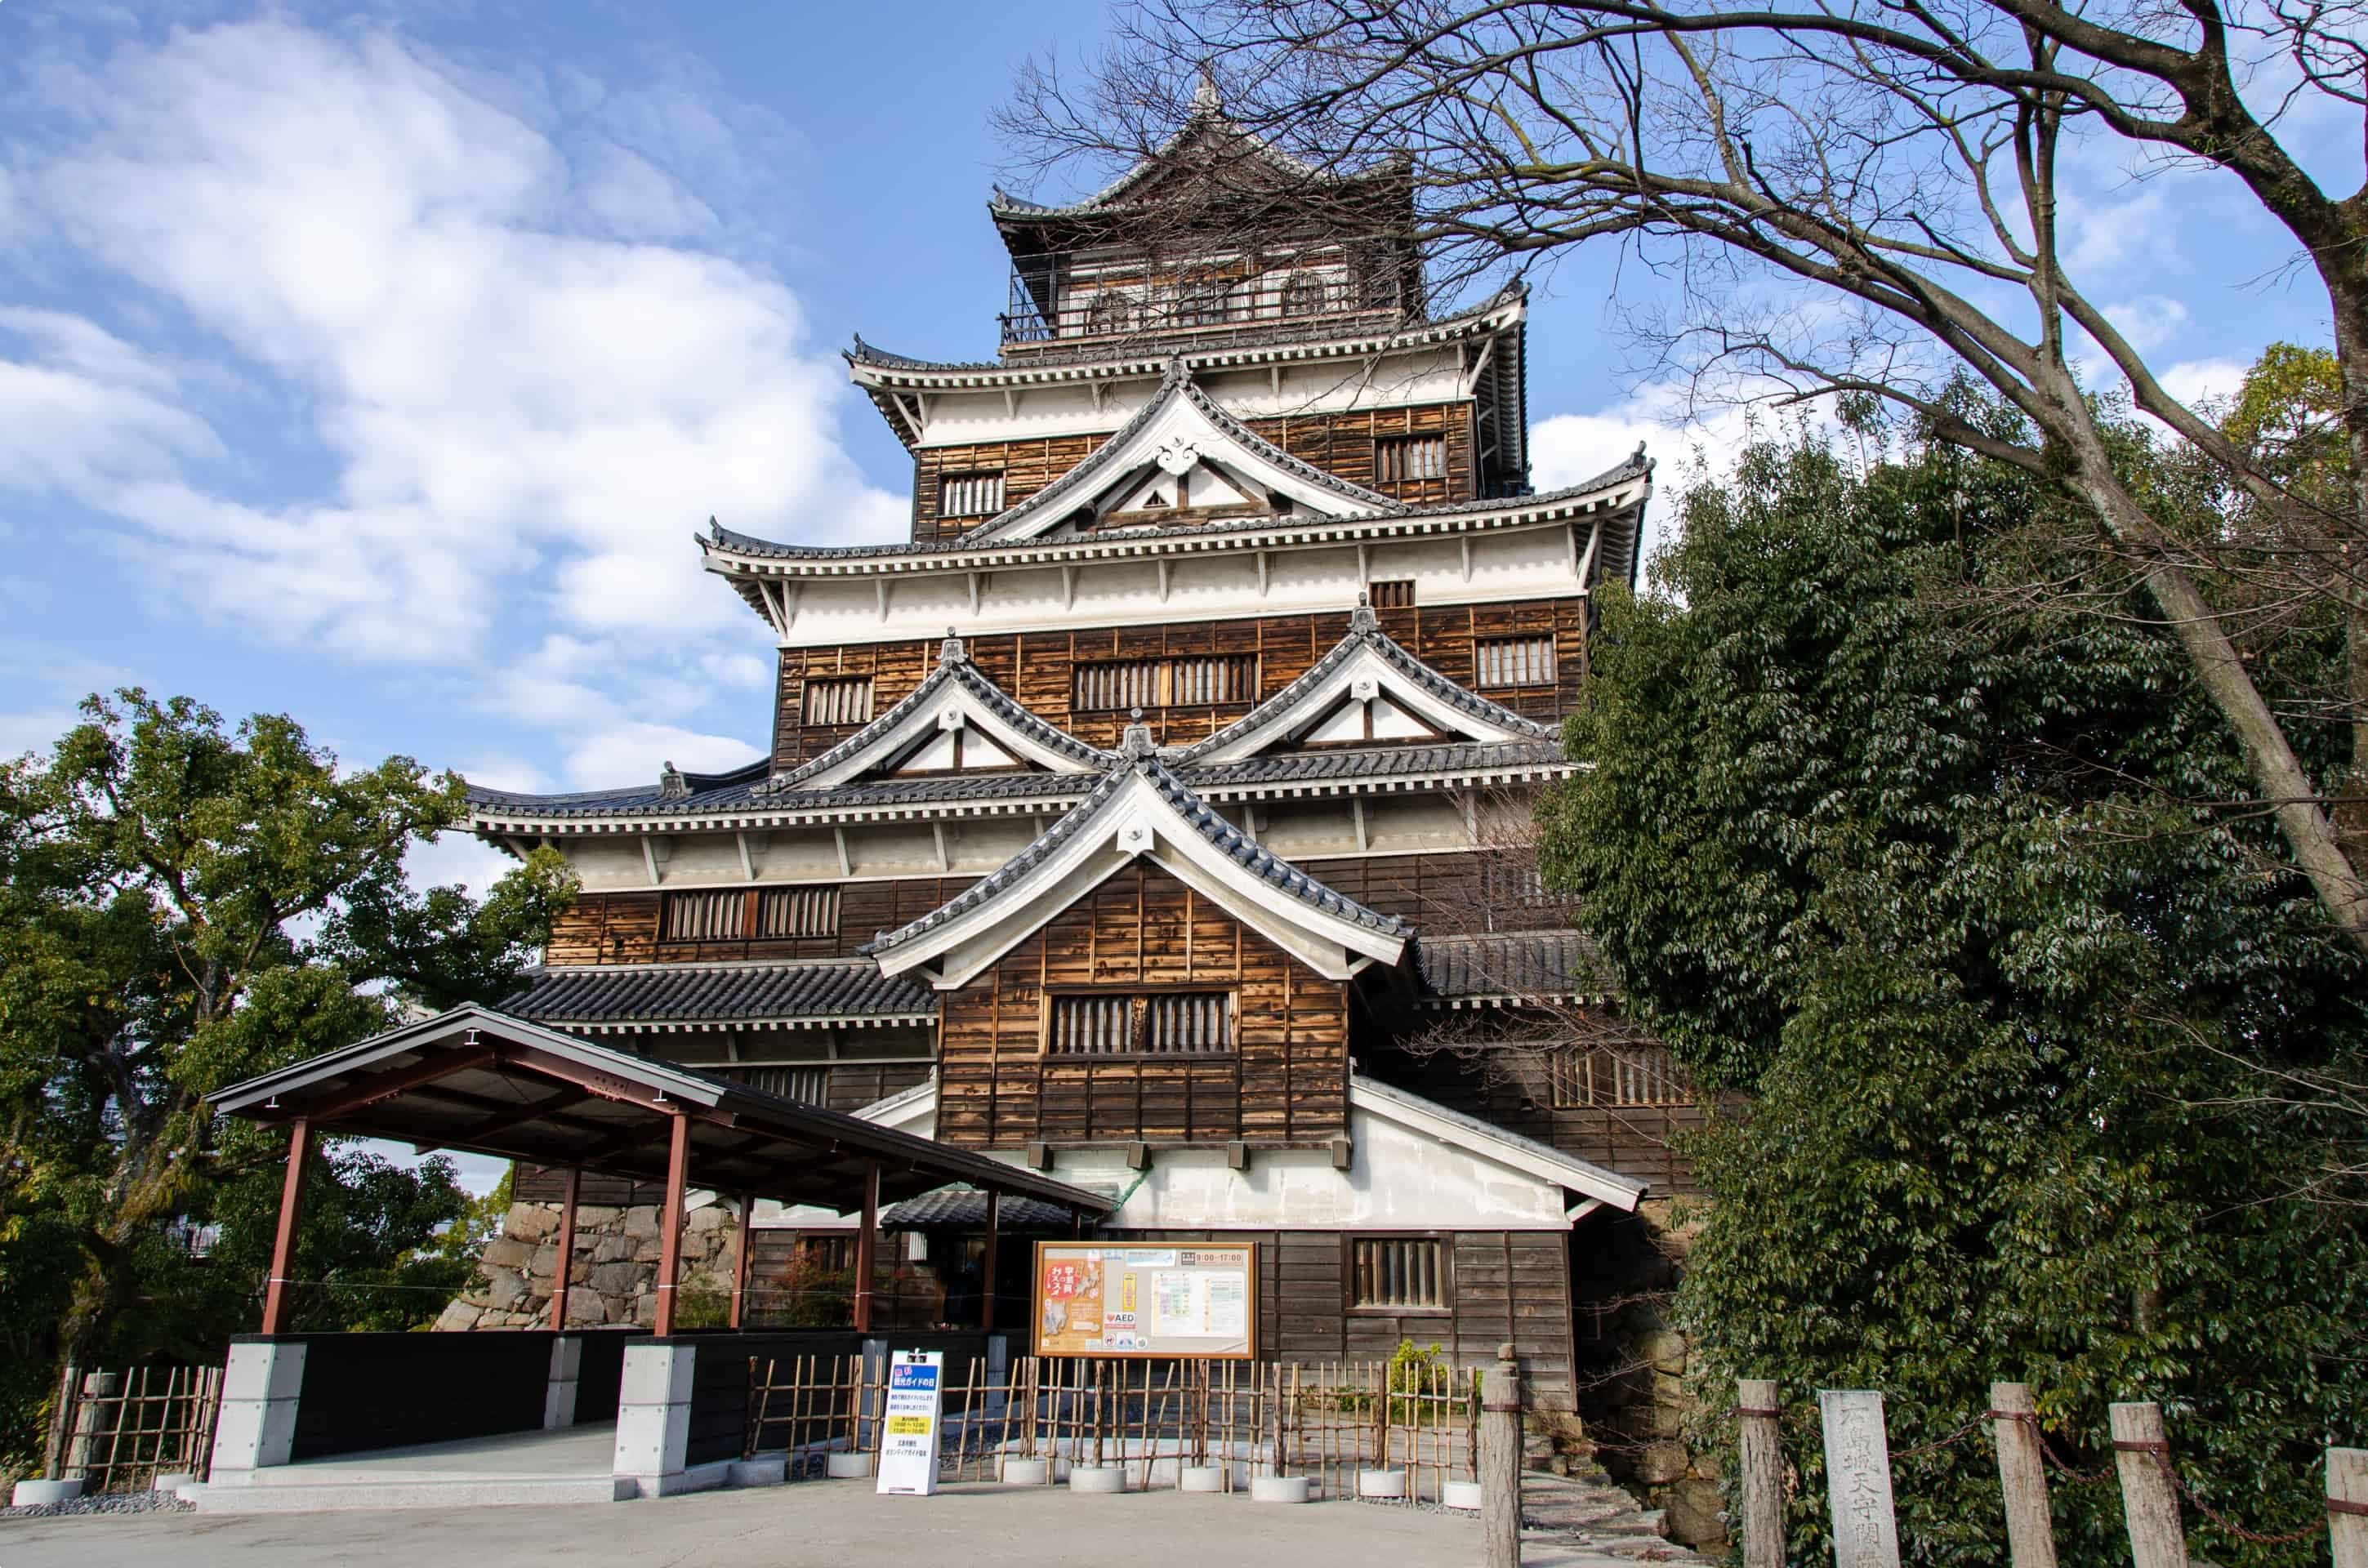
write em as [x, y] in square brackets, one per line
[1336, 707]
[955, 729]
[1138, 822]
[1184, 452]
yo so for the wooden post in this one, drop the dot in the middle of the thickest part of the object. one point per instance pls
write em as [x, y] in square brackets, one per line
[2347, 1507]
[563, 1266]
[867, 1241]
[2022, 1476]
[284, 1241]
[2149, 1503]
[670, 1224]
[740, 1255]
[1500, 1463]
[54, 1455]
[987, 1264]
[1761, 1459]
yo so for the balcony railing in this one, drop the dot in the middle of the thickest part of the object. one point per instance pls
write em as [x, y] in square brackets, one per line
[1189, 307]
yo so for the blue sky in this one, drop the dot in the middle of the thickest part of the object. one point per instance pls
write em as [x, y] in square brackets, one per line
[376, 366]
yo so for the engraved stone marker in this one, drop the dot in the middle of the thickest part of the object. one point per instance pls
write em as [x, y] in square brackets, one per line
[1858, 1479]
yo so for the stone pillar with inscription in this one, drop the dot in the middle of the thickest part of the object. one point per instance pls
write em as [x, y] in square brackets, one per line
[1858, 1479]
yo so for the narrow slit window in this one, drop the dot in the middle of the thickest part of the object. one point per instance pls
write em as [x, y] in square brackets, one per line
[1501, 661]
[1396, 1272]
[969, 495]
[1395, 593]
[838, 701]
[804, 1084]
[1407, 460]
[1154, 1023]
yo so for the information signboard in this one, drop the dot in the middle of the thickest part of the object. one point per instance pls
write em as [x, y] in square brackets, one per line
[1099, 1299]
[908, 1431]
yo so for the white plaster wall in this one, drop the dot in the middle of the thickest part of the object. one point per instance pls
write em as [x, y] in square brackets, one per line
[963, 417]
[1398, 1179]
[1533, 562]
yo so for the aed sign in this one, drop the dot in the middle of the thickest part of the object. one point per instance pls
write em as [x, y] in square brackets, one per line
[908, 1423]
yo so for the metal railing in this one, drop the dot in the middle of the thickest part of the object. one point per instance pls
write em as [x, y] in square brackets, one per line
[1187, 306]
[1328, 1421]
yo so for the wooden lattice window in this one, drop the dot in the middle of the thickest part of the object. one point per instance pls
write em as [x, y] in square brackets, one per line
[841, 699]
[1514, 660]
[1626, 1076]
[969, 495]
[1397, 1272]
[1203, 303]
[797, 912]
[834, 1254]
[1403, 459]
[1303, 295]
[1394, 592]
[731, 915]
[1148, 1023]
[1197, 682]
[720, 915]
[804, 1084]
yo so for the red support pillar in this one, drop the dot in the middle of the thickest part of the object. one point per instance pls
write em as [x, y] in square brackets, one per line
[866, 1247]
[566, 1266]
[283, 1241]
[987, 1264]
[670, 1223]
[740, 1256]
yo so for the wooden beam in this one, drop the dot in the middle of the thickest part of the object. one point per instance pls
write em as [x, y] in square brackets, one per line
[387, 1086]
[986, 1264]
[650, 857]
[839, 841]
[747, 862]
[571, 1095]
[740, 1256]
[283, 1240]
[670, 1223]
[565, 1263]
[867, 1244]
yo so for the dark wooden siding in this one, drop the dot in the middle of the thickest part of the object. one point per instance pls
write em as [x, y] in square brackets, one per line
[1502, 1285]
[1038, 668]
[1286, 1081]
[1636, 1141]
[1441, 892]
[622, 927]
[1340, 444]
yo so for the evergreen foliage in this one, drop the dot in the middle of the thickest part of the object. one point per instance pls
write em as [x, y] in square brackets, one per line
[185, 905]
[1928, 872]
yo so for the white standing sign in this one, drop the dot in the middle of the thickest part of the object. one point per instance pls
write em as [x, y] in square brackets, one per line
[1858, 1478]
[908, 1435]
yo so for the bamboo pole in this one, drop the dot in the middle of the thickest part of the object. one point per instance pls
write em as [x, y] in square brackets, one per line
[2149, 1503]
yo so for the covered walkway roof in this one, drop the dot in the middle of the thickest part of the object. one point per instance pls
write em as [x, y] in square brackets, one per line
[481, 1081]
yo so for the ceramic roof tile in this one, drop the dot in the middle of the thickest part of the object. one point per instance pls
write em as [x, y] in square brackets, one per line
[1516, 963]
[735, 994]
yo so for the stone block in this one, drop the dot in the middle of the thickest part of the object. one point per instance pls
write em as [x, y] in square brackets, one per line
[545, 1261]
[505, 1252]
[593, 1216]
[1663, 1350]
[1660, 1464]
[612, 1249]
[503, 1288]
[1695, 1516]
[642, 1220]
[616, 1278]
[458, 1317]
[530, 1221]
[715, 1217]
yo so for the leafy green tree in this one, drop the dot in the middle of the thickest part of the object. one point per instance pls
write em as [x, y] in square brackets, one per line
[185, 905]
[1933, 869]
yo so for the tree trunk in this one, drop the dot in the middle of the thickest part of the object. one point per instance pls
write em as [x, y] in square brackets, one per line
[2278, 775]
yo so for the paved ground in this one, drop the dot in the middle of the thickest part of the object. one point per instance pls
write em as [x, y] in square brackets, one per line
[781, 1527]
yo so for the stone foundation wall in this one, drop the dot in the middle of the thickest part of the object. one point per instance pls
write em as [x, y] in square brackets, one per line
[615, 1274]
[1633, 1401]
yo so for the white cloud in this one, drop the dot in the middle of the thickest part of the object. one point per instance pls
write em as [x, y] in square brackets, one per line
[623, 753]
[455, 858]
[2197, 380]
[1683, 441]
[479, 299]
[2148, 322]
